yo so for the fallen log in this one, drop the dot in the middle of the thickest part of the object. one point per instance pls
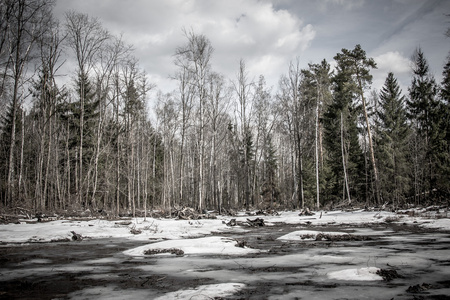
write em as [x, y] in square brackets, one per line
[258, 222]
[306, 212]
[388, 274]
[419, 288]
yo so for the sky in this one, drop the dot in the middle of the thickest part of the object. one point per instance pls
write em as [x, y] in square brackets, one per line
[268, 34]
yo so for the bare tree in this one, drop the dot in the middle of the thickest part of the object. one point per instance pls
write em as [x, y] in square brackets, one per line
[185, 96]
[195, 56]
[48, 96]
[25, 22]
[244, 89]
[86, 37]
[217, 108]
[115, 54]
[295, 113]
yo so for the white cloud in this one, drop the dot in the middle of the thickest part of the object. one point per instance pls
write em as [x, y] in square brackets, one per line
[393, 61]
[266, 38]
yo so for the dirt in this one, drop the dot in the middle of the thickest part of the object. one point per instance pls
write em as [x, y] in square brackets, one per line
[55, 270]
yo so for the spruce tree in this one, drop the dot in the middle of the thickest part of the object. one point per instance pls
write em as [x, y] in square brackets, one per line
[6, 125]
[422, 109]
[270, 189]
[440, 139]
[392, 142]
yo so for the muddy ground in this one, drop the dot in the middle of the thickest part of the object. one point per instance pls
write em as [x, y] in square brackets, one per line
[97, 269]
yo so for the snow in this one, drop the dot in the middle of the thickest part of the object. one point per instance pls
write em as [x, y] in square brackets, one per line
[362, 274]
[110, 293]
[163, 229]
[206, 245]
[208, 254]
[156, 229]
[211, 291]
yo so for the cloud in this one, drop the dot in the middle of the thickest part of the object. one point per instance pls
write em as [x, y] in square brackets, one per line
[265, 37]
[393, 61]
[346, 4]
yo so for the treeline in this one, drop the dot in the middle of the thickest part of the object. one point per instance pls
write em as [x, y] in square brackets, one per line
[322, 139]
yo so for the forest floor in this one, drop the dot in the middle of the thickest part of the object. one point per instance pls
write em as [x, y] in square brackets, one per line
[330, 255]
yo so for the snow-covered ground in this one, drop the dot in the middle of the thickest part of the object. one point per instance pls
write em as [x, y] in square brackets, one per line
[162, 229]
[209, 251]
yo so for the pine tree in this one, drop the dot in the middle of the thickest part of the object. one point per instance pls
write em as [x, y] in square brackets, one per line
[358, 66]
[392, 142]
[344, 155]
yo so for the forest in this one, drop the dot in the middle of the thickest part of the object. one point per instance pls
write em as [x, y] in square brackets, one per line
[323, 139]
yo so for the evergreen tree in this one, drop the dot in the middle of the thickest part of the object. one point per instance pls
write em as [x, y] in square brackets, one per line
[315, 85]
[6, 125]
[392, 142]
[270, 189]
[440, 138]
[422, 109]
[358, 66]
[344, 155]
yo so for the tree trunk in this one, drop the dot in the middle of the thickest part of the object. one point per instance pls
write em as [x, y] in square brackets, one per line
[343, 160]
[80, 161]
[369, 134]
[317, 158]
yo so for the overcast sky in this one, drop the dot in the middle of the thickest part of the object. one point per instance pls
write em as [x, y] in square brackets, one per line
[268, 34]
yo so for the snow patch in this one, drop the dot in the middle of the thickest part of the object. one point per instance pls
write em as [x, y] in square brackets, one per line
[206, 245]
[362, 274]
[111, 293]
[211, 291]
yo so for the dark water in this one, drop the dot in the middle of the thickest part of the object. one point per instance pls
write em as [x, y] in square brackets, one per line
[284, 270]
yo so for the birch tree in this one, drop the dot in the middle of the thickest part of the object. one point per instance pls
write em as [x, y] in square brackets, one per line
[195, 56]
[85, 37]
[24, 23]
